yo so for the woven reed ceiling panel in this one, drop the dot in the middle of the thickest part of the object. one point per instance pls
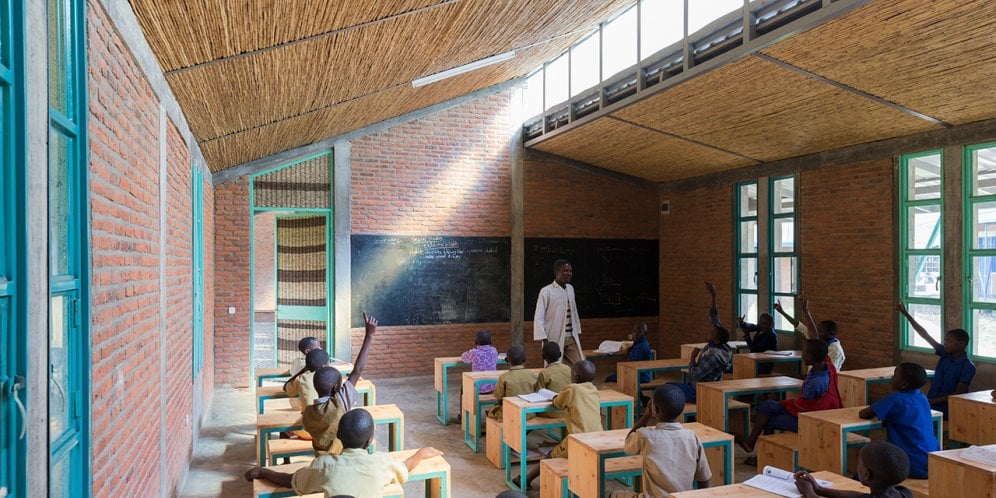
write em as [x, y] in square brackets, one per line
[340, 52]
[936, 57]
[637, 151]
[766, 112]
[334, 120]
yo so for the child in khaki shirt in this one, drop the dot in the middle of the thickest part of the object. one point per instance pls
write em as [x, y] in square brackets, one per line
[517, 380]
[673, 456]
[353, 473]
[582, 410]
[555, 377]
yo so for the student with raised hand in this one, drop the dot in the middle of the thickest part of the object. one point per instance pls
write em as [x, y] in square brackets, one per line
[906, 416]
[707, 364]
[881, 466]
[826, 331]
[354, 472]
[764, 338]
[715, 323]
[673, 457]
[954, 371]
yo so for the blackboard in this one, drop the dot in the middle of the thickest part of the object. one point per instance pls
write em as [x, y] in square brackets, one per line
[430, 280]
[612, 277]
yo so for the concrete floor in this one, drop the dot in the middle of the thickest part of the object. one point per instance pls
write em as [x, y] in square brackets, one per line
[226, 446]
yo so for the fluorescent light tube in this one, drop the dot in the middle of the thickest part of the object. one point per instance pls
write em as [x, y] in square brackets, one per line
[449, 73]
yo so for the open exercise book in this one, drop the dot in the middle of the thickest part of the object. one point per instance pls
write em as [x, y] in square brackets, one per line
[780, 353]
[981, 454]
[778, 481]
[610, 347]
[541, 396]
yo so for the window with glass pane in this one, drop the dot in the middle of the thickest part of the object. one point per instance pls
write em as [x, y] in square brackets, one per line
[921, 245]
[584, 64]
[619, 44]
[555, 81]
[746, 250]
[980, 248]
[662, 24]
[783, 253]
[532, 95]
[701, 13]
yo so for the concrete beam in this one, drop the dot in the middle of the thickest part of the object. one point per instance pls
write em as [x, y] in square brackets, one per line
[342, 223]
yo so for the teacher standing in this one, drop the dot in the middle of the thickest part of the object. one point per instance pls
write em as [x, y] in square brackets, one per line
[557, 317]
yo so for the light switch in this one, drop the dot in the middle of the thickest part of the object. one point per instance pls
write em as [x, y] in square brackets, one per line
[231, 310]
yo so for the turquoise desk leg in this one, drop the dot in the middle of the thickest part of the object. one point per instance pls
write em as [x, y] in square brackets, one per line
[259, 407]
[441, 408]
[728, 462]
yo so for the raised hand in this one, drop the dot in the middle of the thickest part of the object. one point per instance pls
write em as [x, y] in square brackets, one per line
[778, 306]
[902, 308]
[371, 323]
[804, 303]
[740, 320]
[711, 288]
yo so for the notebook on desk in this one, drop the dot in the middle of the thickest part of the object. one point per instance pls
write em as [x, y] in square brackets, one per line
[981, 454]
[541, 396]
[778, 481]
[780, 353]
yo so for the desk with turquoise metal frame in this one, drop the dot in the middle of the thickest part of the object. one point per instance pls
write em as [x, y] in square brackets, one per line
[516, 425]
[441, 367]
[434, 471]
[364, 388]
[823, 436]
[587, 455]
[472, 404]
[713, 398]
[282, 374]
[628, 373]
[745, 364]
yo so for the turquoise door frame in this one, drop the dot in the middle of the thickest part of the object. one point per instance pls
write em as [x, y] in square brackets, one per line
[197, 208]
[329, 231]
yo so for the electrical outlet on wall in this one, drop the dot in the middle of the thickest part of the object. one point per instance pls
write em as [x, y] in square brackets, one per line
[231, 310]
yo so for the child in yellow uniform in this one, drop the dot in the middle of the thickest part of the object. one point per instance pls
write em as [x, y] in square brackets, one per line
[517, 380]
[582, 410]
[555, 377]
[334, 396]
[353, 473]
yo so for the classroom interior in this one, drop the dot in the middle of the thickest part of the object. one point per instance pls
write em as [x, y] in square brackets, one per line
[190, 187]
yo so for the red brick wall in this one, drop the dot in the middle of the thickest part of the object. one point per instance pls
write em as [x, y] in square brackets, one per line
[848, 250]
[565, 201]
[232, 240]
[125, 325]
[696, 246]
[445, 174]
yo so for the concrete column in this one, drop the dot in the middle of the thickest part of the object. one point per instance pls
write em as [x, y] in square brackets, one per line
[517, 260]
[342, 222]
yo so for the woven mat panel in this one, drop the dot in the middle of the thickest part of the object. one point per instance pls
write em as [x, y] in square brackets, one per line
[301, 278]
[304, 185]
[618, 146]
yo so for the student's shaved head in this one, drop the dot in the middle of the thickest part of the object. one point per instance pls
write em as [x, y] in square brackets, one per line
[583, 371]
[317, 358]
[327, 380]
[669, 401]
[516, 355]
[551, 352]
[307, 344]
[356, 429]
[888, 463]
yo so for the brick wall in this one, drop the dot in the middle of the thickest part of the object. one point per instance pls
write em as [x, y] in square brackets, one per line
[125, 324]
[848, 250]
[231, 281]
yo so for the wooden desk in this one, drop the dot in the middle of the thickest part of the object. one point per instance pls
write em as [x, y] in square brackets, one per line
[263, 374]
[745, 364]
[686, 349]
[279, 421]
[744, 491]
[823, 436]
[588, 452]
[516, 425]
[972, 418]
[949, 472]
[713, 397]
[441, 367]
[854, 384]
[473, 401]
[434, 471]
[628, 372]
[364, 387]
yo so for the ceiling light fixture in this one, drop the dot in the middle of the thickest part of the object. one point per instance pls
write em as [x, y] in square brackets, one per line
[449, 73]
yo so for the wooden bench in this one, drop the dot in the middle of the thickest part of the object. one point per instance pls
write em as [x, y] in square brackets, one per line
[389, 415]
[738, 410]
[553, 474]
[919, 487]
[782, 450]
[494, 442]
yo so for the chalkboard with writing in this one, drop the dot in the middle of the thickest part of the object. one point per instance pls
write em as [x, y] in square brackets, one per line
[428, 280]
[612, 277]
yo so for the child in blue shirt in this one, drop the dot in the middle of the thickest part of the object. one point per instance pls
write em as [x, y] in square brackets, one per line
[954, 371]
[907, 418]
[764, 338]
[639, 351]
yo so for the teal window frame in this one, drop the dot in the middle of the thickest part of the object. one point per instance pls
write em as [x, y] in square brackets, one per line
[968, 228]
[197, 208]
[773, 253]
[905, 251]
[739, 255]
[74, 285]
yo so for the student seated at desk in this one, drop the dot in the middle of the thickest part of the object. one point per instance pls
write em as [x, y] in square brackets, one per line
[582, 410]
[881, 466]
[714, 323]
[555, 377]
[517, 380]
[826, 331]
[353, 473]
[673, 456]
[482, 357]
[906, 416]
[708, 364]
[639, 351]
[818, 392]
[305, 346]
[764, 338]
[954, 371]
